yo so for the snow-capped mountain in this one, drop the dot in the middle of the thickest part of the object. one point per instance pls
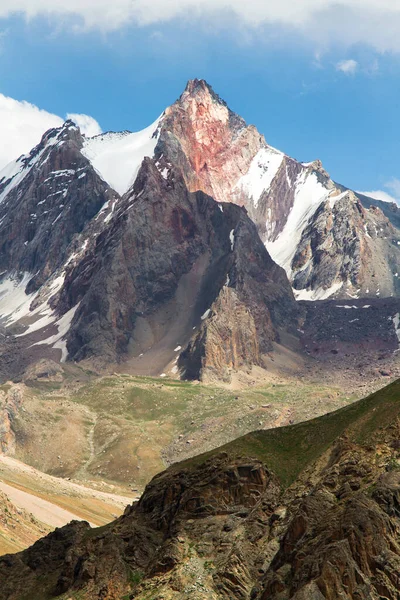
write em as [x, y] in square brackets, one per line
[157, 245]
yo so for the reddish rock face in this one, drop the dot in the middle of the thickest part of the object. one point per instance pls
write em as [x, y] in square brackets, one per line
[217, 144]
[136, 275]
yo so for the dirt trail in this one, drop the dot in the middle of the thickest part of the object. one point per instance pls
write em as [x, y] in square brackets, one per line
[44, 511]
[90, 440]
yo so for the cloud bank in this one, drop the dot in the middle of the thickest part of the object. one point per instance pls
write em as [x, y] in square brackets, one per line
[22, 125]
[374, 22]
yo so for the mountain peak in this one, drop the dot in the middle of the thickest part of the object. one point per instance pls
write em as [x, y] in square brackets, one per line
[197, 88]
[194, 85]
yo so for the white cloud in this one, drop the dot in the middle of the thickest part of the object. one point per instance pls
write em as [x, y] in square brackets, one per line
[393, 185]
[348, 67]
[86, 124]
[380, 195]
[374, 22]
[22, 125]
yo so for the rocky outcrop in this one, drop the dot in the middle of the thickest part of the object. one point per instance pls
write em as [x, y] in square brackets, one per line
[226, 341]
[10, 404]
[44, 370]
[346, 244]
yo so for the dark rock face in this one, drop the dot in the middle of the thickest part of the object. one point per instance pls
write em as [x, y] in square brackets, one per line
[58, 195]
[134, 275]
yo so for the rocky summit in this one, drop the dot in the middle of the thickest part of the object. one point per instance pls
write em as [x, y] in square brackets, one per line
[304, 512]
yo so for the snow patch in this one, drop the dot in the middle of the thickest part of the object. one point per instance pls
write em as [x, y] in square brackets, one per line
[396, 323]
[232, 238]
[261, 173]
[310, 193]
[14, 301]
[345, 306]
[117, 157]
[17, 170]
[58, 340]
[205, 315]
[15, 304]
[319, 293]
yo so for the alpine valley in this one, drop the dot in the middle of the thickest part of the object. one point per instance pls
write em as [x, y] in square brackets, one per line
[189, 297]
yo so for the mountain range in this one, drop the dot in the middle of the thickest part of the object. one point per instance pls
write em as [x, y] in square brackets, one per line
[180, 249]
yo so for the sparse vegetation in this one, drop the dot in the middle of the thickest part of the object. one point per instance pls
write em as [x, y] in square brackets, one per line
[128, 428]
[288, 450]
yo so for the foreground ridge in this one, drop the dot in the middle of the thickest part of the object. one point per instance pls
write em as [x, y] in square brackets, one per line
[302, 512]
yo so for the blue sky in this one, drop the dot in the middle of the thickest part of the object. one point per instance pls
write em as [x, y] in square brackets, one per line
[310, 97]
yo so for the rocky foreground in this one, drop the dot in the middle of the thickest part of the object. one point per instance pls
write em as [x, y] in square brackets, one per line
[306, 512]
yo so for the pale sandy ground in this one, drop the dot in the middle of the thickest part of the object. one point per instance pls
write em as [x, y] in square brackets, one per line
[28, 488]
[12, 465]
[44, 511]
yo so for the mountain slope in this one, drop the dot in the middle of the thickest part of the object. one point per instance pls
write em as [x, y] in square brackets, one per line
[306, 511]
